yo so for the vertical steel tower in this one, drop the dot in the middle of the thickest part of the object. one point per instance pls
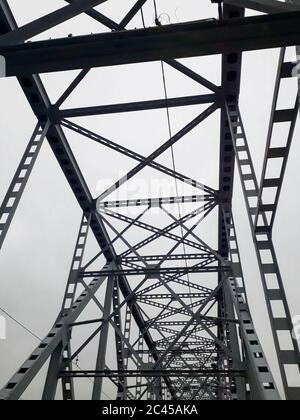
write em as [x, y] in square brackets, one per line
[174, 338]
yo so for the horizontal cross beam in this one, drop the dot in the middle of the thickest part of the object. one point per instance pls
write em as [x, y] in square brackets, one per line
[265, 6]
[153, 373]
[169, 296]
[153, 202]
[191, 39]
[200, 352]
[136, 106]
[206, 342]
[174, 257]
[153, 272]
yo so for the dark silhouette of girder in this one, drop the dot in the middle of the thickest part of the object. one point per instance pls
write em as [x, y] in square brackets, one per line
[166, 42]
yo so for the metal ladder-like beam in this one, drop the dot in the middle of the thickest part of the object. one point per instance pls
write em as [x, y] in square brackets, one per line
[62, 361]
[122, 380]
[272, 177]
[261, 382]
[16, 386]
[20, 179]
[139, 378]
[279, 313]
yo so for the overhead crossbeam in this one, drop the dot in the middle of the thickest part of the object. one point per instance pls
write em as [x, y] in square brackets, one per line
[136, 106]
[165, 42]
[157, 373]
[265, 6]
[154, 272]
[171, 257]
[153, 202]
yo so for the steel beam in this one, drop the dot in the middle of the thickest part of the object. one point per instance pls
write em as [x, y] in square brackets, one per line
[261, 381]
[265, 6]
[231, 78]
[164, 42]
[20, 179]
[19, 35]
[203, 373]
[41, 106]
[136, 106]
[162, 296]
[122, 383]
[173, 63]
[155, 271]
[134, 155]
[153, 202]
[281, 322]
[101, 355]
[172, 257]
[280, 117]
[159, 151]
[132, 12]
[96, 15]
[58, 334]
[160, 232]
[63, 361]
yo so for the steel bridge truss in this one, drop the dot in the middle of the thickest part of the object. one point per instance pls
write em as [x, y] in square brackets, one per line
[174, 337]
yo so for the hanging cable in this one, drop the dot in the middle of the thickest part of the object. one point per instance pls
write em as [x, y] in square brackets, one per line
[20, 324]
[174, 170]
[157, 22]
[172, 150]
[40, 339]
[143, 18]
[155, 9]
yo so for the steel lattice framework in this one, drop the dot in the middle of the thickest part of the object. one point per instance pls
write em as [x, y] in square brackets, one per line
[207, 348]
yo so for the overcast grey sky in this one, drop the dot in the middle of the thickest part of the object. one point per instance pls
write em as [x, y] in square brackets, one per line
[36, 256]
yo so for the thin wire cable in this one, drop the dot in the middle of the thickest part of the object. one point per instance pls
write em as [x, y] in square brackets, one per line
[155, 12]
[20, 324]
[172, 150]
[40, 339]
[143, 18]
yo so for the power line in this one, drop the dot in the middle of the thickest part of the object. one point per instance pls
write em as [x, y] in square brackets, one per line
[172, 148]
[143, 18]
[20, 324]
[155, 12]
[40, 339]
[174, 169]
